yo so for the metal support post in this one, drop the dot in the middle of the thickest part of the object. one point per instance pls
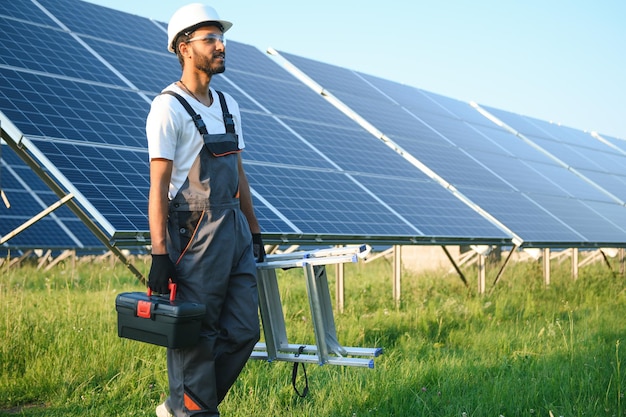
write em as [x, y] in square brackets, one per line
[481, 273]
[397, 273]
[546, 265]
[339, 287]
[575, 263]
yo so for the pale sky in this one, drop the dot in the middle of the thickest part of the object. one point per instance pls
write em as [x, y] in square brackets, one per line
[557, 60]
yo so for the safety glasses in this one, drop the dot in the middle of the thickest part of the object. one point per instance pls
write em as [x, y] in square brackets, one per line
[210, 38]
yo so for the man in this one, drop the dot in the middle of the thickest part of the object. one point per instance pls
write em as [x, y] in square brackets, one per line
[205, 235]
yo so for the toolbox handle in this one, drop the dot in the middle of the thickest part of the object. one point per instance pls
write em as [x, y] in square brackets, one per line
[171, 286]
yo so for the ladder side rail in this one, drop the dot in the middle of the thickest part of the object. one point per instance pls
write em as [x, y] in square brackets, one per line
[270, 308]
[326, 308]
[316, 312]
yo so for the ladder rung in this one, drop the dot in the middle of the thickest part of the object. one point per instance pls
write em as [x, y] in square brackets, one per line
[298, 263]
[318, 253]
[304, 358]
[312, 349]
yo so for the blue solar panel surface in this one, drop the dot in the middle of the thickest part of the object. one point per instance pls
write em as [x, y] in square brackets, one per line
[604, 165]
[90, 20]
[533, 195]
[49, 106]
[81, 99]
[112, 179]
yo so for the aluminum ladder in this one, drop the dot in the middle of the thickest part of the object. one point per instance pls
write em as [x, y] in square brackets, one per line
[327, 349]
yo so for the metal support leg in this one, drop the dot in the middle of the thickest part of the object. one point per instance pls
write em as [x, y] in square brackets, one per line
[35, 219]
[504, 265]
[455, 265]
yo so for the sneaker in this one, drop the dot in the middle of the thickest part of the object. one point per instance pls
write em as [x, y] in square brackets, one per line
[162, 410]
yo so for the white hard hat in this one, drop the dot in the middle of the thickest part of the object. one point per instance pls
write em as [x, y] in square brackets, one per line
[191, 17]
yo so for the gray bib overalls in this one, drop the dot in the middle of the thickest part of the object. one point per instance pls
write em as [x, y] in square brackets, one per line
[209, 239]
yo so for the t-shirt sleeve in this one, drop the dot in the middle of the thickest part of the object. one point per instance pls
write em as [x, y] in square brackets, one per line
[161, 128]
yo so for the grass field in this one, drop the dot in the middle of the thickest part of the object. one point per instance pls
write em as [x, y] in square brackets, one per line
[523, 350]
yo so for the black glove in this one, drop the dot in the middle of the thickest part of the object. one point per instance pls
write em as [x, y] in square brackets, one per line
[257, 247]
[161, 271]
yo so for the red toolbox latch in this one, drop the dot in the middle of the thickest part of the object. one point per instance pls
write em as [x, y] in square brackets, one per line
[144, 309]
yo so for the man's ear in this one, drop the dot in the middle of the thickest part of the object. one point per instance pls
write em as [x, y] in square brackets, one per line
[182, 48]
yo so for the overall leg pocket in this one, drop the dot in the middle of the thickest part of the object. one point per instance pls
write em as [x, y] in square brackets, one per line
[187, 225]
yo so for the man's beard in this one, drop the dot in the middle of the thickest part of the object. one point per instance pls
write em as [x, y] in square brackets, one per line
[208, 67]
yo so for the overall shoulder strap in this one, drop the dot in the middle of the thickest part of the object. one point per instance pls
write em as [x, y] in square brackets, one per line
[229, 123]
[197, 120]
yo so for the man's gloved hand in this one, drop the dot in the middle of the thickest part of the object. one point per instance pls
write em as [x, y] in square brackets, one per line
[257, 247]
[161, 271]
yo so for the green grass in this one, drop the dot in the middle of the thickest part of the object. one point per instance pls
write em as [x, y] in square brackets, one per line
[523, 350]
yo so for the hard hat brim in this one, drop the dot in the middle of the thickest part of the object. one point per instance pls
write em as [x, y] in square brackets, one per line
[224, 24]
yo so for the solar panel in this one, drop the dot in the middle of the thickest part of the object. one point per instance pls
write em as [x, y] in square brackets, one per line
[27, 11]
[111, 179]
[325, 202]
[77, 106]
[602, 165]
[54, 107]
[310, 133]
[518, 183]
[520, 213]
[68, 59]
[593, 225]
[92, 21]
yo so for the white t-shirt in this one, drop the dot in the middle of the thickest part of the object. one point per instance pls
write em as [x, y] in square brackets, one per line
[172, 134]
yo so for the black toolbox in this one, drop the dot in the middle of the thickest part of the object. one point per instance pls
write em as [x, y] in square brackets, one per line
[159, 320]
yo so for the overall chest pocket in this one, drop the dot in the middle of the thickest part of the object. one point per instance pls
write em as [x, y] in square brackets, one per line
[221, 144]
[219, 174]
